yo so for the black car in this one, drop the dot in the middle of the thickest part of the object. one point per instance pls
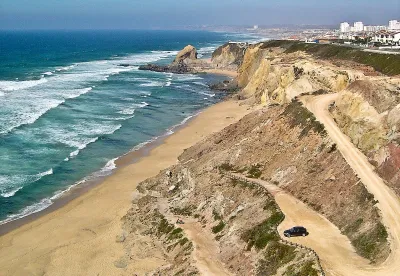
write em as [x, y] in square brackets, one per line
[295, 231]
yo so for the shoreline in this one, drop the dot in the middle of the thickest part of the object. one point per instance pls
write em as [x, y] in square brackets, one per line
[99, 208]
[78, 189]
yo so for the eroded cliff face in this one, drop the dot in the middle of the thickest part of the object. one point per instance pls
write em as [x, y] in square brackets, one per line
[368, 111]
[283, 145]
[269, 75]
[229, 55]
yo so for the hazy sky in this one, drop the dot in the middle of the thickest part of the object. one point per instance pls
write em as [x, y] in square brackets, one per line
[133, 14]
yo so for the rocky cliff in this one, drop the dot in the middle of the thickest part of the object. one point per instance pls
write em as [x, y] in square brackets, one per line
[270, 75]
[367, 109]
[229, 55]
[368, 112]
[282, 145]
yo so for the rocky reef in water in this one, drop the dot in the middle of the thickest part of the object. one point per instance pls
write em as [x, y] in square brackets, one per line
[182, 64]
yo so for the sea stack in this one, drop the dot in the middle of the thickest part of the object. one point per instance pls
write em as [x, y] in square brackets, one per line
[186, 55]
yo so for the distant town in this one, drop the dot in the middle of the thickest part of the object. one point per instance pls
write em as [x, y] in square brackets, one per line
[357, 34]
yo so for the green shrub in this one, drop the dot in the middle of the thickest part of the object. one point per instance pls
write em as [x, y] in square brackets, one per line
[176, 234]
[301, 117]
[263, 233]
[226, 167]
[254, 171]
[185, 211]
[275, 256]
[216, 215]
[368, 244]
[218, 228]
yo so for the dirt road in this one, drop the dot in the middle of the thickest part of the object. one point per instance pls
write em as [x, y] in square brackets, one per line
[389, 203]
[205, 250]
[205, 247]
[333, 248]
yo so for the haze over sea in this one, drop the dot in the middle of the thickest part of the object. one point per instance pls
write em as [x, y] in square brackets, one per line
[68, 108]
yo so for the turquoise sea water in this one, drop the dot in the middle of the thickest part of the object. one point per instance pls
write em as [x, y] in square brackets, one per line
[68, 109]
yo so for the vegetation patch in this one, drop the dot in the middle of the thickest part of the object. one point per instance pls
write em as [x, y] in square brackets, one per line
[218, 228]
[175, 234]
[301, 117]
[185, 211]
[216, 215]
[244, 184]
[275, 256]
[254, 171]
[368, 244]
[226, 167]
[183, 241]
[164, 227]
[386, 64]
[305, 269]
[264, 233]
[354, 227]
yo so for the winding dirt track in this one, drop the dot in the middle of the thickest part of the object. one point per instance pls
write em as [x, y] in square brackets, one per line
[205, 250]
[389, 203]
[337, 255]
[205, 247]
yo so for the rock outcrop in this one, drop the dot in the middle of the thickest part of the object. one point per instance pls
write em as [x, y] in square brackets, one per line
[184, 62]
[176, 68]
[186, 55]
[229, 55]
[269, 75]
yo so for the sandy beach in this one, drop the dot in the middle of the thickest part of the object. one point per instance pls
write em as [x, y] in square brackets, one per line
[80, 237]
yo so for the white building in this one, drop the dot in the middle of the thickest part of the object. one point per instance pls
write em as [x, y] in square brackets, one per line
[387, 37]
[394, 25]
[344, 27]
[374, 28]
[358, 26]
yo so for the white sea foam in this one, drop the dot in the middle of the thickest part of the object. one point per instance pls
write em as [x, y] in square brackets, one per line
[187, 77]
[10, 193]
[48, 172]
[200, 83]
[110, 165]
[152, 84]
[131, 110]
[19, 85]
[206, 94]
[127, 111]
[13, 183]
[48, 73]
[74, 153]
[69, 82]
[28, 210]
[65, 68]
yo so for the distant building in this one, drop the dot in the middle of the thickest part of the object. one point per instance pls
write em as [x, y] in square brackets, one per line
[374, 28]
[344, 27]
[358, 26]
[394, 25]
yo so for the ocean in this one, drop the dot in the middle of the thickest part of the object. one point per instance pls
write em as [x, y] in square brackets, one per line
[72, 102]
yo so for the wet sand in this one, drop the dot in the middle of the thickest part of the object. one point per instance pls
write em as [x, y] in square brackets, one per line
[78, 238]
